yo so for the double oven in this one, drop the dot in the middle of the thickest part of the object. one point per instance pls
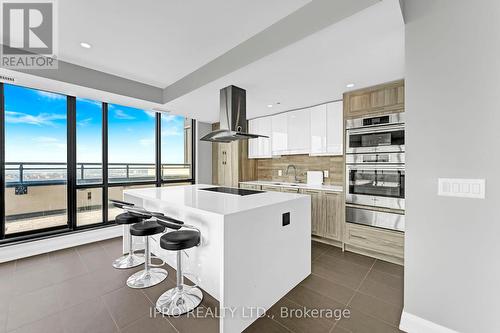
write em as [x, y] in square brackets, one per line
[375, 171]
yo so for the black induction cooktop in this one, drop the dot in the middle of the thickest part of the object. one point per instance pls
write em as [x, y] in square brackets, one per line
[230, 190]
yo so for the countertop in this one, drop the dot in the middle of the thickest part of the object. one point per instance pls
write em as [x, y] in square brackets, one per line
[192, 197]
[333, 188]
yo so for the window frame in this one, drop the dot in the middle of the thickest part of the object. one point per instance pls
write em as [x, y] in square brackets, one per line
[71, 169]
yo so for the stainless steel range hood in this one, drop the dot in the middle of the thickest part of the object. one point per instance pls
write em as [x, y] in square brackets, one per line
[233, 117]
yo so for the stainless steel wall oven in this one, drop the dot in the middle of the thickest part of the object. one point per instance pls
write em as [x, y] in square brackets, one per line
[377, 134]
[375, 171]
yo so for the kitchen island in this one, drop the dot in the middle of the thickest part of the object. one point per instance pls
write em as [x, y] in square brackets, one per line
[256, 246]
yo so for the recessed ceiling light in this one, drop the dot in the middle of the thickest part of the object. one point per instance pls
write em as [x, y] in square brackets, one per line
[85, 45]
[269, 105]
[350, 85]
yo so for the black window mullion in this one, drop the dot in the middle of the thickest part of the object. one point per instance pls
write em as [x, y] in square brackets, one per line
[71, 161]
[105, 162]
[158, 149]
[2, 164]
[193, 151]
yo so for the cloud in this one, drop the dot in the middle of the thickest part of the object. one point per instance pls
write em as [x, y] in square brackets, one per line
[167, 117]
[39, 120]
[151, 114]
[49, 95]
[120, 114]
[172, 132]
[146, 142]
[84, 122]
[90, 101]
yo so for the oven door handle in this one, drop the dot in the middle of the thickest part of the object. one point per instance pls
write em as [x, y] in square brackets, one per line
[388, 128]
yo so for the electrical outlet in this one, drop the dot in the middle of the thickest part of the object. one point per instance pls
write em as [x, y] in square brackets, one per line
[280, 173]
[326, 173]
[285, 219]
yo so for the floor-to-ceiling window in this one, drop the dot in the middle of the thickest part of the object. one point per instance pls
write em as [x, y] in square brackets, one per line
[35, 159]
[89, 180]
[62, 158]
[131, 150]
[176, 151]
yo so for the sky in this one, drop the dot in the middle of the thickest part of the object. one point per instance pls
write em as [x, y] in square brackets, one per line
[35, 130]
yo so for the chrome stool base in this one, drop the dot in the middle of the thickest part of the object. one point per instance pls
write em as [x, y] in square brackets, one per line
[128, 261]
[179, 300]
[147, 278]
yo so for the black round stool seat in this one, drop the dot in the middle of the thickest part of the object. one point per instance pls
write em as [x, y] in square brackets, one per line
[127, 218]
[147, 228]
[180, 240]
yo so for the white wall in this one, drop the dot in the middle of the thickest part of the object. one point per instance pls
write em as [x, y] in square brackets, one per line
[203, 154]
[452, 257]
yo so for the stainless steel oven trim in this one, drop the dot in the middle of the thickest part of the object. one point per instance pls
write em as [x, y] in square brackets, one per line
[373, 200]
[377, 149]
[377, 129]
[373, 218]
[377, 158]
[394, 118]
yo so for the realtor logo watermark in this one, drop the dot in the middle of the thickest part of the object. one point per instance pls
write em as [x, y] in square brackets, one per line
[29, 34]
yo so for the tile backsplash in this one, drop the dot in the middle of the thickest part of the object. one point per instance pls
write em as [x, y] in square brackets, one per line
[267, 169]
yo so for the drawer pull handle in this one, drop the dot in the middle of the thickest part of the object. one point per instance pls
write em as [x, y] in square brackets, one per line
[358, 236]
[391, 244]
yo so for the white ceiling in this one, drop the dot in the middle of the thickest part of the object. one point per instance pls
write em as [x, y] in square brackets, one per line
[186, 33]
[366, 49]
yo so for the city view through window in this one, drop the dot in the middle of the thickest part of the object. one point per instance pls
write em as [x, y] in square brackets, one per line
[36, 159]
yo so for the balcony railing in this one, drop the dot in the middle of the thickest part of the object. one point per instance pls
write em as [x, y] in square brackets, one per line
[34, 173]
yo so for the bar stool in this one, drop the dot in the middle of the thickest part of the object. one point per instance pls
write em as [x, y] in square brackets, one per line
[129, 260]
[151, 274]
[182, 298]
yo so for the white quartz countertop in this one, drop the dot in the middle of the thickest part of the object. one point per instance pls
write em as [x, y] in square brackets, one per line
[191, 196]
[333, 188]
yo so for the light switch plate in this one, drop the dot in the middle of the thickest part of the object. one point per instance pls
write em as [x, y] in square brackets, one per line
[326, 173]
[462, 188]
[280, 173]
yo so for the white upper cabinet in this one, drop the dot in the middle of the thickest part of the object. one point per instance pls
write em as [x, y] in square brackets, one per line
[298, 132]
[334, 128]
[318, 130]
[260, 147]
[279, 127]
[315, 131]
[327, 129]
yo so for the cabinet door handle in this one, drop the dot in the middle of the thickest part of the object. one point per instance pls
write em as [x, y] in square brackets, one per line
[392, 244]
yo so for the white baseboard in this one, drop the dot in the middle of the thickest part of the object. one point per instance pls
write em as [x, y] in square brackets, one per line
[414, 324]
[28, 249]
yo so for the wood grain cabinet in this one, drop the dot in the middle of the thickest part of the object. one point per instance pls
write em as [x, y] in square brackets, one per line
[379, 243]
[327, 210]
[326, 214]
[271, 188]
[289, 190]
[334, 209]
[317, 212]
[230, 163]
[385, 98]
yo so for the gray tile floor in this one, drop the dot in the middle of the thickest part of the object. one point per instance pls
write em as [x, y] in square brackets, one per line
[77, 290]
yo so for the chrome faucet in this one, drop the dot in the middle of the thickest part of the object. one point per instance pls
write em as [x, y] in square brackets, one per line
[295, 171]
